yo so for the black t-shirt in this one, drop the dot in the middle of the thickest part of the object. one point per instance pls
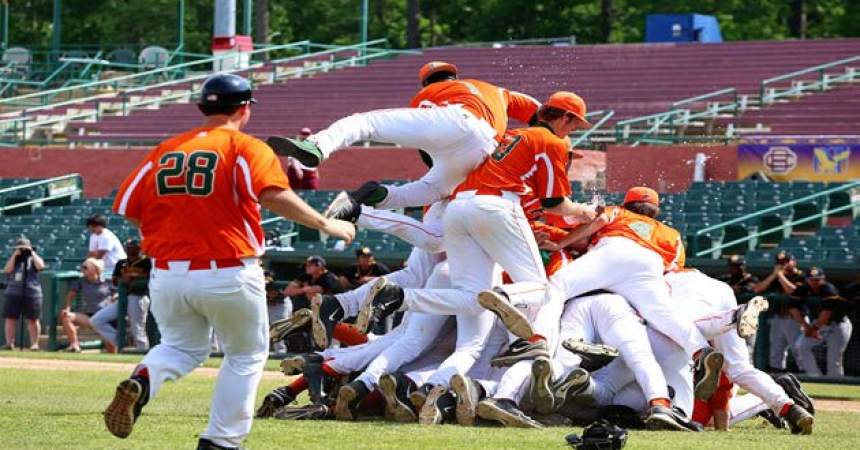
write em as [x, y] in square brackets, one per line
[139, 285]
[375, 270]
[742, 283]
[826, 299]
[779, 302]
[328, 281]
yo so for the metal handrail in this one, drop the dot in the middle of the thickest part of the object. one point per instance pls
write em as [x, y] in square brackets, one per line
[38, 182]
[722, 225]
[606, 116]
[713, 94]
[821, 84]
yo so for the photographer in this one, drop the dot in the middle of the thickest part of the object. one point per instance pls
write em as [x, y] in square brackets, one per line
[23, 291]
[779, 286]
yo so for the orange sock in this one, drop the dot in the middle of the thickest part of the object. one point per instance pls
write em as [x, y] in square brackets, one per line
[348, 334]
[298, 386]
[661, 401]
[329, 371]
[536, 337]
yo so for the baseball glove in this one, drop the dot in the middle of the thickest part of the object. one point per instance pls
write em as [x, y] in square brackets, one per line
[600, 435]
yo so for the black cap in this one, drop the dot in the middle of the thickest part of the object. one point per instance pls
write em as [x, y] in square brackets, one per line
[363, 251]
[736, 260]
[96, 219]
[226, 89]
[316, 259]
[132, 242]
[783, 257]
[814, 272]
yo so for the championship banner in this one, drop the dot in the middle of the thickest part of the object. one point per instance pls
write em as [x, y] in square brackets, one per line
[802, 162]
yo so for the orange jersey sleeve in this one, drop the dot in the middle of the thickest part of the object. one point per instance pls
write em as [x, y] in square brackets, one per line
[555, 234]
[195, 195]
[650, 233]
[521, 106]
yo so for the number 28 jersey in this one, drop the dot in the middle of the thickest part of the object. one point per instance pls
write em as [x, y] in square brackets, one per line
[195, 195]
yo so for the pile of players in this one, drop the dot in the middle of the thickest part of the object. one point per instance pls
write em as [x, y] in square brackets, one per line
[518, 305]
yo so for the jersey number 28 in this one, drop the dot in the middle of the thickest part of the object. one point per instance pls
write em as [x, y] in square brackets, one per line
[190, 174]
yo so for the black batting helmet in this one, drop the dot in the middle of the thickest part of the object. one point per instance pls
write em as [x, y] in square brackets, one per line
[226, 89]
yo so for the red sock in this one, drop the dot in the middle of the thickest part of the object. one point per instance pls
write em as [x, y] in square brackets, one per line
[536, 337]
[140, 371]
[661, 401]
[348, 334]
[298, 385]
[784, 411]
[329, 371]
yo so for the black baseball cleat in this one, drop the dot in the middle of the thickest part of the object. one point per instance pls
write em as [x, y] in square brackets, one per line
[706, 375]
[275, 400]
[306, 412]
[771, 417]
[520, 350]
[326, 312]
[468, 393]
[206, 444]
[540, 390]
[320, 384]
[576, 386]
[294, 365]
[791, 385]
[383, 299]
[280, 329]
[663, 418]
[343, 207]
[594, 356]
[369, 193]
[130, 397]
[800, 421]
[348, 398]
[497, 302]
[306, 152]
[419, 396]
[439, 406]
[746, 316]
[505, 411]
[395, 388]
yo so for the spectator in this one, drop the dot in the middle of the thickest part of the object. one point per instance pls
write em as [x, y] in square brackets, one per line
[277, 308]
[104, 244]
[365, 269]
[95, 292]
[778, 286]
[133, 274]
[302, 177]
[316, 280]
[741, 281]
[23, 292]
[830, 324]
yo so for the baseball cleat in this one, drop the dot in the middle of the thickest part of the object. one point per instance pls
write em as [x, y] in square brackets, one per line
[321, 385]
[307, 412]
[206, 444]
[275, 400]
[419, 396]
[540, 389]
[348, 398]
[577, 386]
[468, 393]
[663, 418]
[772, 418]
[369, 193]
[306, 152]
[294, 365]
[343, 207]
[746, 317]
[706, 375]
[395, 390]
[800, 421]
[594, 356]
[504, 411]
[383, 299]
[124, 409]
[326, 312]
[795, 392]
[520, 350]
[497, 302]
[285, 327]
[438, 401]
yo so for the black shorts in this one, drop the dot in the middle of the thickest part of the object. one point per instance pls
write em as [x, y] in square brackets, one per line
[17, 306]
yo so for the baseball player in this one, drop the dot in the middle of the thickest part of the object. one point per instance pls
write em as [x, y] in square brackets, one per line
[196, 199]
[457, 122]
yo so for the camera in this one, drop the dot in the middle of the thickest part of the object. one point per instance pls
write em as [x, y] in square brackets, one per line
[26, 252]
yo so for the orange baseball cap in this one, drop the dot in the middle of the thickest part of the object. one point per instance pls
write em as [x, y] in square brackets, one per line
[642, 194]
[570, 102]
[434, 67]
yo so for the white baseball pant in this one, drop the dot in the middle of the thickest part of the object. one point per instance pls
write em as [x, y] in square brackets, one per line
[744, 407]
[426, 234]
[455, 139]
[622, 266]
[835, 336]
[187, 305]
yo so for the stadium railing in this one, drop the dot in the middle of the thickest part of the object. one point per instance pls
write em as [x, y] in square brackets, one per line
[801, 84]
[584, 139]
[753, 235]
[62, 187]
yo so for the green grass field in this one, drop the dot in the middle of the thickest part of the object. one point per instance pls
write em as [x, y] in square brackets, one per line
[47, 409]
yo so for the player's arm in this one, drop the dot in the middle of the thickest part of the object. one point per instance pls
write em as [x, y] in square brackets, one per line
[563, 206]
[786, 284]
[583, 232]
[522, 107]
[287, 204]
[293, 288]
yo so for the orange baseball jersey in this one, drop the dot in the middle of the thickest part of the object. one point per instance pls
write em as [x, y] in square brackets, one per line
[647, 232]
[195, 195]
[529, 161]
[486, 101]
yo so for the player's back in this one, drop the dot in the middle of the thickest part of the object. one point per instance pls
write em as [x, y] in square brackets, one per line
[648, 232]
[195, 195]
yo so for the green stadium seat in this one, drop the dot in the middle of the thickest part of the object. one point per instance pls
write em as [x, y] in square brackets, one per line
[809, 209]
[734, 232]
[773, 220]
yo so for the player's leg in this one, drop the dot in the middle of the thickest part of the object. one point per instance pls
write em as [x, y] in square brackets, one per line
[473, 332]
[778, 343]
[420, 234]
[741, 372]
[837, 338]
[745, 407]
[138, 307]
[805, 358]
[101, 322]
